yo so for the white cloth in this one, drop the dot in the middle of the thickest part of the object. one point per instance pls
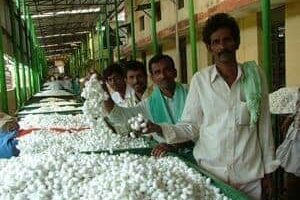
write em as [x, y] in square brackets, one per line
[217, 118]
[129, 99]
[253, 189]
[288, 151]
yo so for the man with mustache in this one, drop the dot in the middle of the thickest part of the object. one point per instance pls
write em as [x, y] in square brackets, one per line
[227, 114]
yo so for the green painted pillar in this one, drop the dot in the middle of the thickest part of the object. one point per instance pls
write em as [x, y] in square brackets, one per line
[132, 27]
[107, 31]
[100, 44]
[266, 30]
[16, 52]
[28, 59]
[117, 31]
[3, 89]
[21, 39]
[193, 39]
[155, 48]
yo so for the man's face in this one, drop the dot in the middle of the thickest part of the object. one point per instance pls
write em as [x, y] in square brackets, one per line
[163, 75]
[116, 82]
[222, 46]
[137, 80]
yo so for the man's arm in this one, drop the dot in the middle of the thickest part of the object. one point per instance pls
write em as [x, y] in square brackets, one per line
[188, 127]
[109, 103]
[265, 131]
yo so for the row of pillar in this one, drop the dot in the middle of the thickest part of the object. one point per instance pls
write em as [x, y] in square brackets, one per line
[25, 52]
[265, 4]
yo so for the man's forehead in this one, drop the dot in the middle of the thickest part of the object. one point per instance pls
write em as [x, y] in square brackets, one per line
[114, 75]
[134, 71]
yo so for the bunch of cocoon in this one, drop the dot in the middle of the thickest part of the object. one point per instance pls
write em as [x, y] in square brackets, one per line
[52, 103]
[138, 124]
[53, 120]
[283, 101]
[52, 108]
[94, 96]
[53, 93]
[102, 176]
[51, 99]
[100, 138]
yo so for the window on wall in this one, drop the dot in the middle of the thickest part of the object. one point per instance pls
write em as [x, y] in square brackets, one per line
[158, 11]
[142, 23]
[180, 4]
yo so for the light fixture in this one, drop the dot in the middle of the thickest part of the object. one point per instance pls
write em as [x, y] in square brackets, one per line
[63, 34]
[66, 12]
[75, 43]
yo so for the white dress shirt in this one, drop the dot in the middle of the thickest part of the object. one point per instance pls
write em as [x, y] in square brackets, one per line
[129, 99]
[217, 119]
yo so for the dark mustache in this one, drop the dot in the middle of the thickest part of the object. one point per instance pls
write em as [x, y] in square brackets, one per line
[224, 52]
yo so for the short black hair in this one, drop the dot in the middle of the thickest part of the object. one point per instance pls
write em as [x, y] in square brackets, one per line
[157, 58]
[135, 66]
[217, 21]
[115, 68]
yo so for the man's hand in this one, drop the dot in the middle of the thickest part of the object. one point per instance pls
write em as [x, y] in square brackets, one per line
[267, 187]
[161, 149]
[109, 103]
[154, 128]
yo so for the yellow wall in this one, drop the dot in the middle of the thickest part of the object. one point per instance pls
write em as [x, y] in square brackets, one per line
[249, 42]
[292, 32]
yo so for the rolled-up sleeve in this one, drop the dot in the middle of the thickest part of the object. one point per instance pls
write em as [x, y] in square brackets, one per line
[188, 127]
[265, 132]
[120, 115]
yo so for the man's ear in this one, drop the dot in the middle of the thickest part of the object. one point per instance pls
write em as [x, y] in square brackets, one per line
[151, 77]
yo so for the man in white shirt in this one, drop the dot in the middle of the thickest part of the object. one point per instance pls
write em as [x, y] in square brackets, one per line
[122, 94]
[230, 125]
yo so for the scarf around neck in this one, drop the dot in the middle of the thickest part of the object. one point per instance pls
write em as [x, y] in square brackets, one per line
[159, 109]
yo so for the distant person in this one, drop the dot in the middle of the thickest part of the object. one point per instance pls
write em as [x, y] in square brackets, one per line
[67, 83]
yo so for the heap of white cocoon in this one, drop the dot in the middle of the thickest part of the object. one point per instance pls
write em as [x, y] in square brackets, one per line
[102, 176]
[94, 96]
[101, 138]
[53, 121]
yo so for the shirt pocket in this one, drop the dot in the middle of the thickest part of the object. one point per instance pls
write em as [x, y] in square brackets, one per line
[243, 115]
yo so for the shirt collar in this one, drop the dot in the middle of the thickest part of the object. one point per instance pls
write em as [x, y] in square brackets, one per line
[214, 73]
